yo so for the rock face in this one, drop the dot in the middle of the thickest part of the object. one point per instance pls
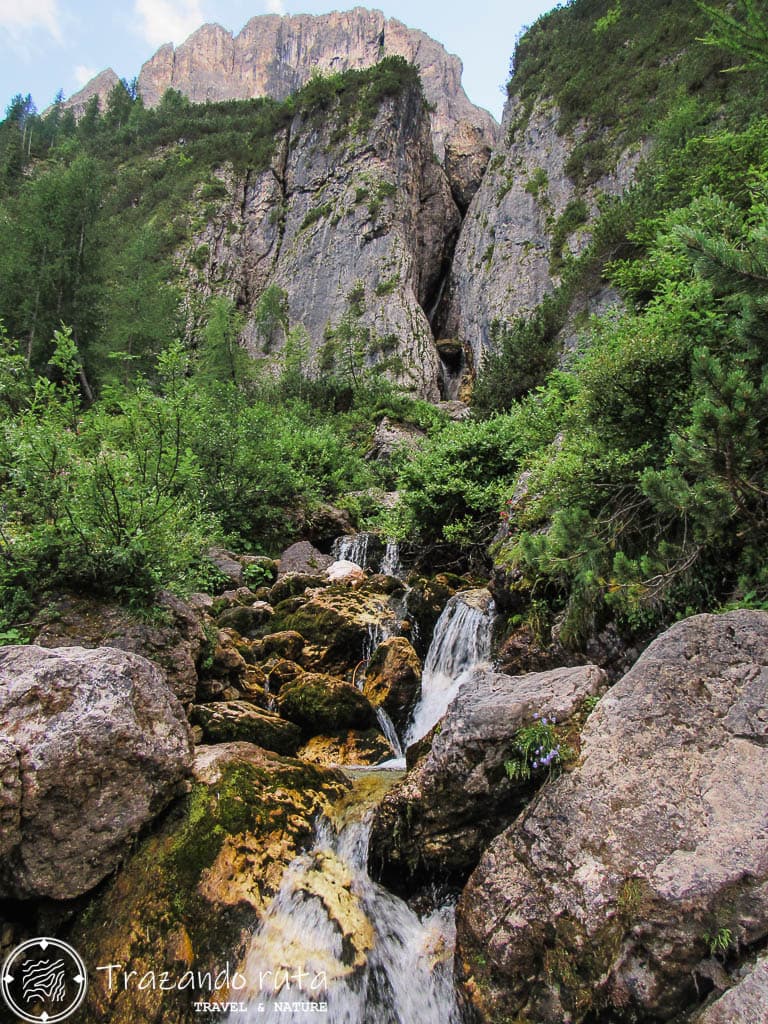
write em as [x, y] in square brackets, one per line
[101, 86]
[94, 745]
[504, 263]
[274, 56]
[443, 813]
[606, 889]
[356, 237]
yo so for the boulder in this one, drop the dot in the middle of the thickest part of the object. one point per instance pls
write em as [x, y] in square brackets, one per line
[94, 746]
[247, 620]
[349, 747]
[320, 704]
[281, 672]
[390, 437]
[344, 571]
[303, 558]
[193, 890]
[240, 721]
[608, 889]
[174, 639]
[227, 564]
[393, 679]
[294, 584]
[287, 644]
[438, 820]
[745, 1003]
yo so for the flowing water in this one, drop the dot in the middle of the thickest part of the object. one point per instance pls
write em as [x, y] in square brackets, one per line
[334, 938]
[365, 550]
[462, 640]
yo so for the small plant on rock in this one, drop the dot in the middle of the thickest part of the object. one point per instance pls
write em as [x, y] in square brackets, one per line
[538, 749]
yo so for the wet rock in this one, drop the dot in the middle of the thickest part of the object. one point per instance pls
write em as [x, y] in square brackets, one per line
[337, 622]
[393, 679]
[247, 620]
[239, 720]
[607, 886]
[173, 639]
[321, 704]
[193, 890]
[438, 820]
[348, 747]
[282, 672]
[94, 745]
[304, 559]
[426, 600]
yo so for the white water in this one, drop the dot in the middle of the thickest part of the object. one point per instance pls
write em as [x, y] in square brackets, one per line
[390, 563]
[462, 639]
[359, 949]
[364, 549]
[387, 726]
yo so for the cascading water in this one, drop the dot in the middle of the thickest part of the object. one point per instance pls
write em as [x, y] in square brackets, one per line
[353, 548]
[334, 938]
[387, 726]
[462, 639]
[390, 563]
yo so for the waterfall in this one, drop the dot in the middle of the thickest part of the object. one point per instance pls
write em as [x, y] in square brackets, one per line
[334, 937]
[462, 639]
[353, 548]
[390, 563]
[387, 726]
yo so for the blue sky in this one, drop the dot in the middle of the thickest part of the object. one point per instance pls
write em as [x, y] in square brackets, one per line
[46, 45]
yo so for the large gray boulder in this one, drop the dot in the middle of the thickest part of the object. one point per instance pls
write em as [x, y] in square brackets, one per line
[93, 745]
[441, 816]
[607, 891]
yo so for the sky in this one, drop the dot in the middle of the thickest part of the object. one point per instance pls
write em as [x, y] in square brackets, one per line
[47, 45]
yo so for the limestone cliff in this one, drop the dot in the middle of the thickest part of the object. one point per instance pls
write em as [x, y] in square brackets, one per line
[356, 234]
[527, 214]
[275, 56]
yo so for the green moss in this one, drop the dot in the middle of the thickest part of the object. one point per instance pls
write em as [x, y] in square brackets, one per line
[315, 214]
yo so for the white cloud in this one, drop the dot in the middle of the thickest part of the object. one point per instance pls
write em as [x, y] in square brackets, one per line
[167, 21]
[275, 7]
[83, 74]
[19, 16]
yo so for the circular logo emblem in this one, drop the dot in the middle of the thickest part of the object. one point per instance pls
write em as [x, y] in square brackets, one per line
[44, 980]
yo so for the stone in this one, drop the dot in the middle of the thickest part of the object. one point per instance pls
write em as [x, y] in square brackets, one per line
[228, 564]
[393, 679]
[240, 721]
[344, 571]
[440, 818]
[607, 886]
[351, 747]
[303, 559]
[294, 584]
[745, 1003]
[94, 746]
[174, 640]
[320, 704]
[247, 620]
[197, 886]
[467, 152]
[288, 644]
[282, 672]
[390, 437]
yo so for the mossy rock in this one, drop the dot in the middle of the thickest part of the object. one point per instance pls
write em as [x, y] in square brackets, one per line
[321, 704]
[294, 585]
[248, 621]
[282, 671]
[233, 720]
[192, 891]
[393, 679]
[288, 644]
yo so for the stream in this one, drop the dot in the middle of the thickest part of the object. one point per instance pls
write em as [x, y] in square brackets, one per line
[334, 944]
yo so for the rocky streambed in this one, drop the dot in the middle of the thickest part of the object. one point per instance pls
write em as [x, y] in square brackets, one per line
[193, 802]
